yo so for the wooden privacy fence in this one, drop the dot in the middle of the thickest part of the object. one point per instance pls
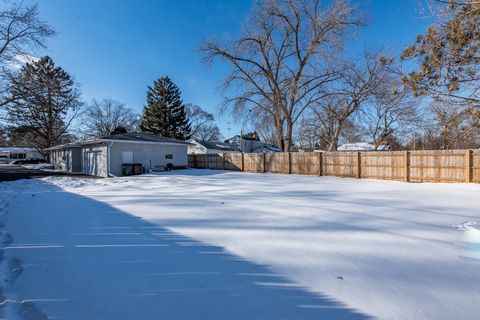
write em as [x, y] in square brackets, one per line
[414, 166]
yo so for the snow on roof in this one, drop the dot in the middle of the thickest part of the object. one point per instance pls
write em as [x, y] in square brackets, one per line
[361, 146]
[17, 149]
[215, 145]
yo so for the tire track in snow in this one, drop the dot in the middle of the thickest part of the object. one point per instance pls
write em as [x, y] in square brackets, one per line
[11, 268]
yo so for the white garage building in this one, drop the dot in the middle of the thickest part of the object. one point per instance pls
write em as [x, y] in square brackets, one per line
[105, 157]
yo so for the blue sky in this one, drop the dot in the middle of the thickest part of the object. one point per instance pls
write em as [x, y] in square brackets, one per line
[114, 49]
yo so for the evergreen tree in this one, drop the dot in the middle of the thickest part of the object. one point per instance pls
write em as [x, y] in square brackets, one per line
[44, 101]
[164, 114]
[448, 55]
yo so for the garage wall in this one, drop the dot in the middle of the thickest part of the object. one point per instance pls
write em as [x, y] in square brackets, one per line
[55, 158]
[148, 154]
[94, 160]
[68, 160]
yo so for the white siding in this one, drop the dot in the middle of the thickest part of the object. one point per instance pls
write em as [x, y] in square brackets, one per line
[100, 151]
[150, 155]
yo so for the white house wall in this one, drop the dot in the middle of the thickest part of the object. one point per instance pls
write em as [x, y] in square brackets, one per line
[148, 154]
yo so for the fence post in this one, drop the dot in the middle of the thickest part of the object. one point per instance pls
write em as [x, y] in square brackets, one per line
[208, 162]
[320, 164]
[468, 166]
[358, 163]
[223, 161]
[264, 161]
[243, 163]
[406, 166]
[289, 163]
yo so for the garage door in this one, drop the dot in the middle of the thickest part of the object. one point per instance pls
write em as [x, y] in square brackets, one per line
[90, 163]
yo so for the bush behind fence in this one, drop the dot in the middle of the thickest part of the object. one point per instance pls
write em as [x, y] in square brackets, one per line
[414, 166]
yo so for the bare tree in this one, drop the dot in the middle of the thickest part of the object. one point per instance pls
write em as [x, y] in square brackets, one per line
[356, 86]
[264, 126]
[284, 60]
[202, 124]
[308, 134]
[103, 117]
[393, 110]
[455, 128]
[21, 32]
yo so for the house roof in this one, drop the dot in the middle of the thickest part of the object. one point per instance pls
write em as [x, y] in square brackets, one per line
[361, 146]
[17, 149]
[142, 137]
[215, 145]
[123, 137]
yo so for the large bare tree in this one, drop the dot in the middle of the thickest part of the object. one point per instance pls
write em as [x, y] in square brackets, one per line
[391, 112]
[202, 124]
[21, 32]
[357, 83]
[284, 60]
[102, 118]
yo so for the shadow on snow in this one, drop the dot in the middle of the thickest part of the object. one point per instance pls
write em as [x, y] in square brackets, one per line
[84, 259]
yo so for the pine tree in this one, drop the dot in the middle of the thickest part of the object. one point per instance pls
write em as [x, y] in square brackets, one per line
[45, 100]
[164, 114]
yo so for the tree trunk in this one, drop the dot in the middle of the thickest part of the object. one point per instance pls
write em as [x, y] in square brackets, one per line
[334, 143]
[279, 133]
[288, 136]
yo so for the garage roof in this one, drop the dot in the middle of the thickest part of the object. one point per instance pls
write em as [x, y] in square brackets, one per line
[142, 137]
[125, 137]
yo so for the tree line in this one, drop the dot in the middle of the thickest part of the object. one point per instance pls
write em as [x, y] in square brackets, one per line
[292, 78]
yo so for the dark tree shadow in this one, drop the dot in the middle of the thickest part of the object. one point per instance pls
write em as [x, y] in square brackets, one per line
[83, 259]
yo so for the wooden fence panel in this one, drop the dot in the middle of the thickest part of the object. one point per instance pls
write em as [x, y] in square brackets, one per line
[475, 166]
[304, 163]
[233, 161]
[253, 162]
[415, 166]
[339, 164]
[276, 162]
[383, 165]
[437, 166]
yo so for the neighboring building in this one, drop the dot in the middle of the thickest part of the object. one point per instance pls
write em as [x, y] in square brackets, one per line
[204, 147]
[104, 157]
[16, 153]
[251, 143]
[362, 146]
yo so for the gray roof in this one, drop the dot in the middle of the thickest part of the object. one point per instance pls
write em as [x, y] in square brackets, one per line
[142, 136]
[131, 137]
[216, 145]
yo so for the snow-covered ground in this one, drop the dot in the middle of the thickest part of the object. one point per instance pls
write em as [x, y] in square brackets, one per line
[200, 244]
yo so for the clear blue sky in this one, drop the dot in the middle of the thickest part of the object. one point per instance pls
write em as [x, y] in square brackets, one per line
[115, 48]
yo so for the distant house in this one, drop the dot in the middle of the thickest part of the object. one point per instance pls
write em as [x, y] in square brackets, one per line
[204, 147]
[251, 143]
[362, 146]
[105, 157]
[15, 153]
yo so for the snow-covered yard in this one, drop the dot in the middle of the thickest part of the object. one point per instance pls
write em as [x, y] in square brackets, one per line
[200, 244]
